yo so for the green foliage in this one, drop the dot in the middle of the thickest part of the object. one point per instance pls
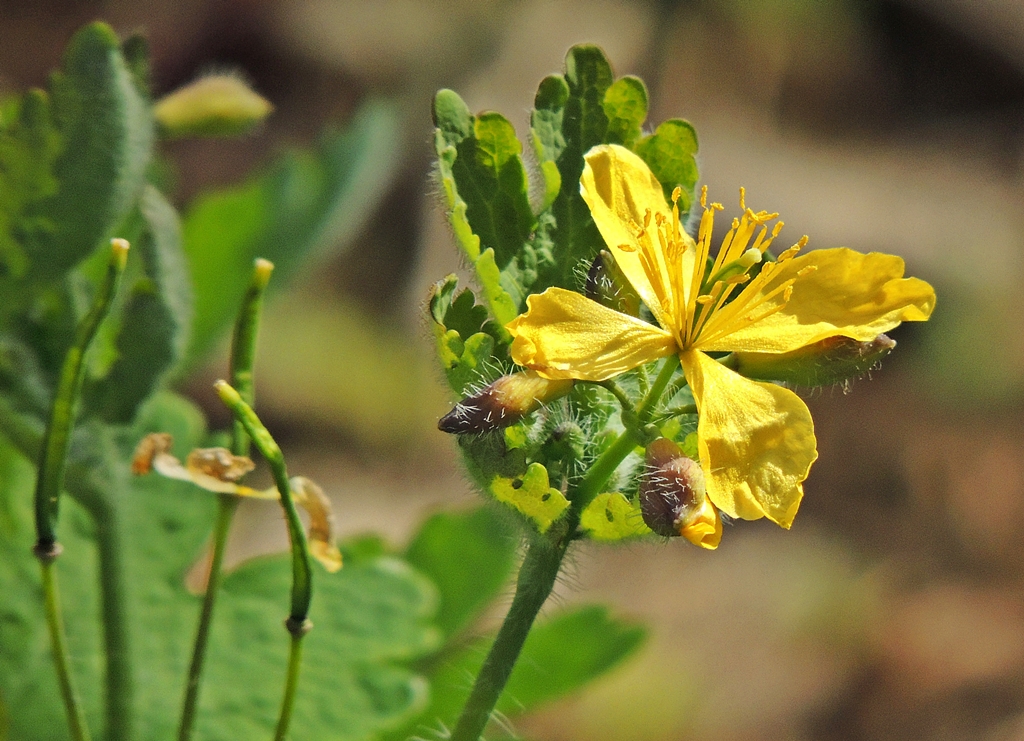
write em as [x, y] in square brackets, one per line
[671, 152]
[307, 204]
[469, 556]
[106, 134]
[370, 618]
[611, 517]
[561, 655]
[531, 495]
[156, 316]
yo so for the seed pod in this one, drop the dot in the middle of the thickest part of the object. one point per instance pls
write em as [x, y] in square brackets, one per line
[503, 403]
[833, 360]
[673, 501]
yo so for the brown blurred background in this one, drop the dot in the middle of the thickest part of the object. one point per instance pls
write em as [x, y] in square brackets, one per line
[894, 609]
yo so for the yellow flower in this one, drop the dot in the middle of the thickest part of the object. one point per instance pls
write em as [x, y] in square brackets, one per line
[756, 440]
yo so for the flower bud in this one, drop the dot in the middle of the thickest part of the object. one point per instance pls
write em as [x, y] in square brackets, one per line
[503, 403]
[833, 360]
[609, 287]
[217, 105]
[673, 501]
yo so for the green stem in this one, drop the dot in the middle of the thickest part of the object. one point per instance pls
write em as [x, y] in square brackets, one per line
[594, 481]
[120, 689]
[226, 507]
[536, 579]
[302, 577]
[54, 453]
[72, 705]
[243, 356]
[291, 685]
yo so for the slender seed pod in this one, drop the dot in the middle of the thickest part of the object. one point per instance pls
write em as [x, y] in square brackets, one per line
[833, 360]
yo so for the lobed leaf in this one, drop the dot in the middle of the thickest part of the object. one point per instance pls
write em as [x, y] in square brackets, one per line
[671, 152]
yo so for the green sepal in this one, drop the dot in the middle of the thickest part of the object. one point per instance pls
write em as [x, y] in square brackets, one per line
[671, 152]
[531, 495]
[106, 131]
[611, 517]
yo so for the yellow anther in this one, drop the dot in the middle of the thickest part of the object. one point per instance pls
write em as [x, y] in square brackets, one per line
[647, 218]
[627, 247]
[803, 241]
[777, 229]
[790, 253]
[704, 299]
[717, 206]
[806, 271]
[743, 198]
[737, 279]
[677, 193]
[660, 218]
[735, 223]
[788, 294]
[703, 196]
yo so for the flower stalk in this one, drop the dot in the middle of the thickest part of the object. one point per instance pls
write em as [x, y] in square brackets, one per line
[243, 356]
[50, 480]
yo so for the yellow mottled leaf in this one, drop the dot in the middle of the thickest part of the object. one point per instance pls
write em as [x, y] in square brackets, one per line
[532, 495]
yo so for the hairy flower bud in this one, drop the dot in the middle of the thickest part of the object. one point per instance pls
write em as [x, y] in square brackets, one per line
[216, 105]
[833, 360]
[502, 403]
[673, 501]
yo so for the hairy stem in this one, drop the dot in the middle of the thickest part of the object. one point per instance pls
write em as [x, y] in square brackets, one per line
[243, 357]
[536, 579]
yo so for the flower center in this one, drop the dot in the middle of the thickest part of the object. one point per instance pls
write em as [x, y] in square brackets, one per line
[714, 286]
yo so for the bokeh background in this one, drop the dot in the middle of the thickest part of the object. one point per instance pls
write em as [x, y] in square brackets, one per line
[894, 609]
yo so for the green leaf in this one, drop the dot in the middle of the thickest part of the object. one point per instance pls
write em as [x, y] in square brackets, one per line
[307, 205]
[561, 655]
[568, 119]
[156, 317]
[466, 340]
[625, 105]
[531, 495]
[106, 132]
[486, 190]
[611, 517]
[29, 145]
[469, 556]
[370, 619]
[670, 152]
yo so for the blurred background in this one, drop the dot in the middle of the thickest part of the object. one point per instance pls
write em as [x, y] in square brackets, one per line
[894, 609]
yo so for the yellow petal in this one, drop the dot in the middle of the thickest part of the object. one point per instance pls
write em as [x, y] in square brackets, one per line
[620, 189]
[322, 542]
[566, 335]
[844, 293]
[756, 441]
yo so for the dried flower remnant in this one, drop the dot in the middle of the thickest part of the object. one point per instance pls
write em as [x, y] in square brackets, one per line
[217, 470]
